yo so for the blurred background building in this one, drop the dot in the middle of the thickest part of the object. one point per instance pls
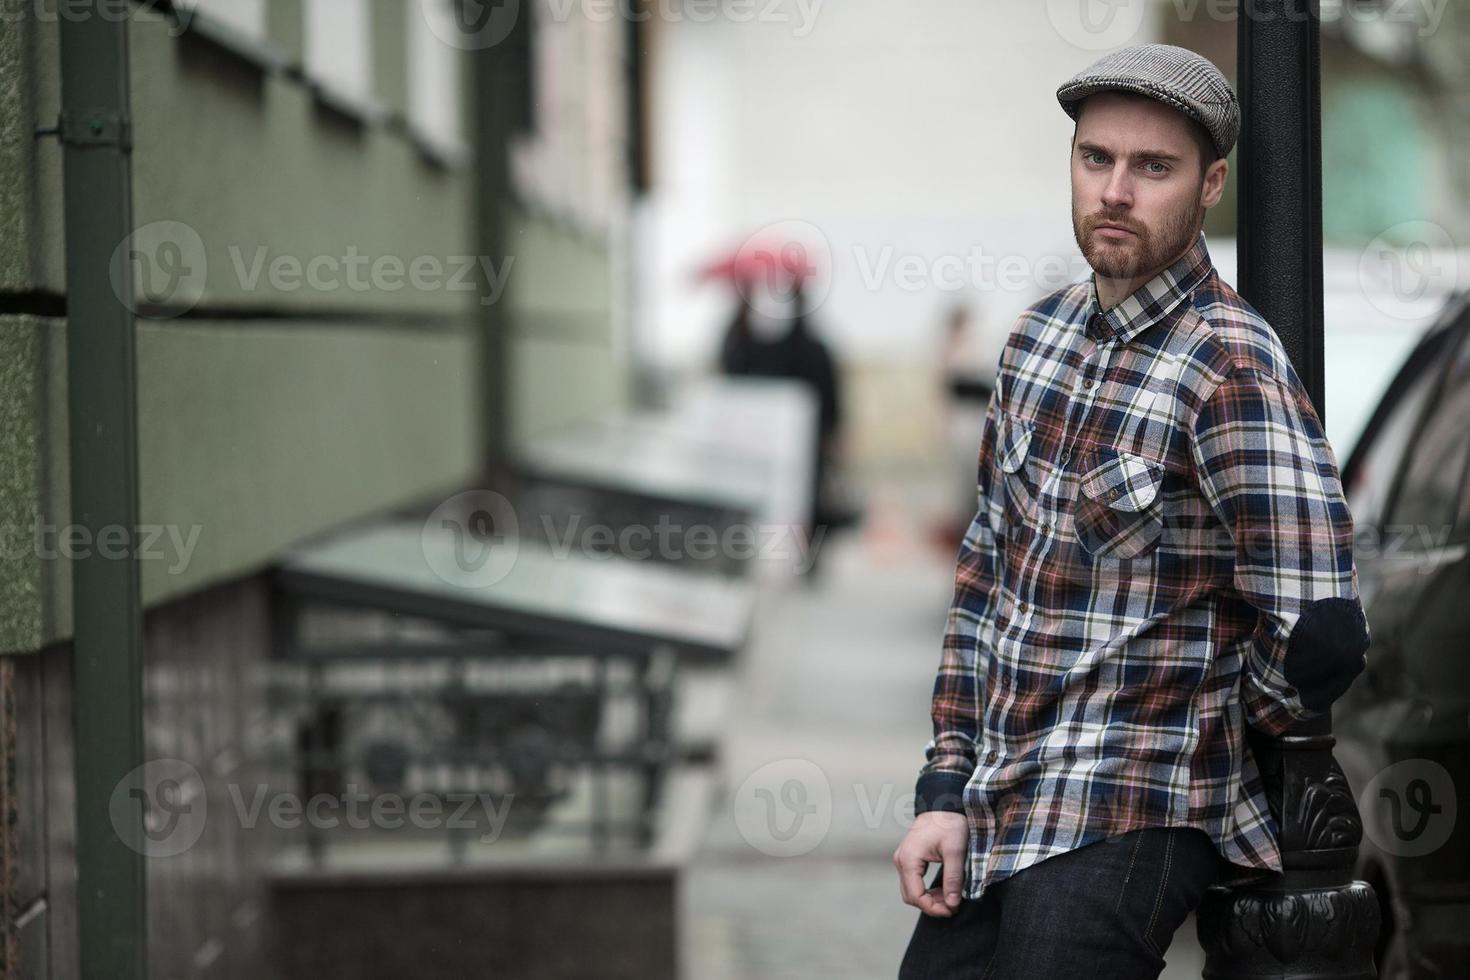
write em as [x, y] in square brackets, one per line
[387, 251]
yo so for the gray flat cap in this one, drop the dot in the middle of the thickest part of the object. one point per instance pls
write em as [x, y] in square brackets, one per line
[1175, 76]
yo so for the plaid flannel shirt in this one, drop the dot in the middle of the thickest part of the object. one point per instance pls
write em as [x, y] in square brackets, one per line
[1161, 555]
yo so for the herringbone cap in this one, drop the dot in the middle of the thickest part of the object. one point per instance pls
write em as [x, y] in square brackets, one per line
[1175, 76]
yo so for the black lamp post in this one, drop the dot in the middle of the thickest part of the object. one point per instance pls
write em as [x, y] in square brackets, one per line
[1314, 920]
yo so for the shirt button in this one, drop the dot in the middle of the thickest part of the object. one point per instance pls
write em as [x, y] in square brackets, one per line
[1022, 608]
[1087, 384]
[991, 756]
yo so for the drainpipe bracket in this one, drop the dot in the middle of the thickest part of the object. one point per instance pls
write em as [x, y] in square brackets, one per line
[93, 127]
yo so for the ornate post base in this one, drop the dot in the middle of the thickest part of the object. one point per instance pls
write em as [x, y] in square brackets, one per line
[1313, 920]
[1289, 931]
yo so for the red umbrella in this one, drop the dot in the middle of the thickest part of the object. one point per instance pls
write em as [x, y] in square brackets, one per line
[775, 260]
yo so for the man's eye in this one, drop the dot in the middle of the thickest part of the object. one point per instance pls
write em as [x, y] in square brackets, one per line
[1155, 167]
[1096, 158]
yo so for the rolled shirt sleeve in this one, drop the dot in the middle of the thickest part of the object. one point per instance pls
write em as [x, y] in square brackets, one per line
[950, 754]
[1270, 476]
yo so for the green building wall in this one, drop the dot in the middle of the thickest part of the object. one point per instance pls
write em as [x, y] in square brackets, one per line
[269, 413]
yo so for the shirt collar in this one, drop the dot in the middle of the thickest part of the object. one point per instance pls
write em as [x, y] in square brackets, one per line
[1150, 302]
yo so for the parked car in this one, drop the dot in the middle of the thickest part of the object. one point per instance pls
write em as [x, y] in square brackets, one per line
[1404, 728]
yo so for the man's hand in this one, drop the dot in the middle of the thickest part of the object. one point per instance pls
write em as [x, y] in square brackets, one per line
[935, 836]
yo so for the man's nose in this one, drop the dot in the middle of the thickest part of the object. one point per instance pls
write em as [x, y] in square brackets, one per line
[1118, 191]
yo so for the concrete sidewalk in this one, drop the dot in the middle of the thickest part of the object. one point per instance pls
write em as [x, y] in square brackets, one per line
[827, 714]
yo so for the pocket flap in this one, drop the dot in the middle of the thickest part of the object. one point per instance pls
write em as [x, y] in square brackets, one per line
[1123, 481]
[1014, 442]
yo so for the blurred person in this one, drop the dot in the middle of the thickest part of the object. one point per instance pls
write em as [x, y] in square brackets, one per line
[1161, 557]
[965, 385]
[769, 336]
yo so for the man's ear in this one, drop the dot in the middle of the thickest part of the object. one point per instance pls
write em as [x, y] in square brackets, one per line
[1214, 182]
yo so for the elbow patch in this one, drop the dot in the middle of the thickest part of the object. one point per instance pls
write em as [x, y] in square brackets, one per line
[1326, 650]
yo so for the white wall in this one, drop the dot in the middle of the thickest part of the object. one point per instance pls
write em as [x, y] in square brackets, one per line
[923, 129]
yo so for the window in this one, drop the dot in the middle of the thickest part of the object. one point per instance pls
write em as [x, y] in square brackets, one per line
[238, 26]
[339, 54]
[1435, 478]
[244, 16]
[435, 79]
[572, 161]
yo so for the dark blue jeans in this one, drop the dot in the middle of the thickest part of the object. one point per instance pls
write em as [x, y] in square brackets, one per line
[1107, 911]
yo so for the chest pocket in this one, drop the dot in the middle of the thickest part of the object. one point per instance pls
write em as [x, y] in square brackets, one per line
[1119, 513]
[1012, 450]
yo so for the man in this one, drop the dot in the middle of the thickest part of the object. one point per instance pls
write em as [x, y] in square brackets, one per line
[1161, 556]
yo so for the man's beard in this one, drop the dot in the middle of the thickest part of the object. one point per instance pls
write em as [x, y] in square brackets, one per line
[1145, 252]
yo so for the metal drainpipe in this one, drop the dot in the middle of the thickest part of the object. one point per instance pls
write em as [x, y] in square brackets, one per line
[1314, 920]
[503, 90]
[95, 133]
[492, 74]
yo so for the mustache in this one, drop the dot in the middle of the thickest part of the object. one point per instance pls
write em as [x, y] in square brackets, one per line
[1102, 218]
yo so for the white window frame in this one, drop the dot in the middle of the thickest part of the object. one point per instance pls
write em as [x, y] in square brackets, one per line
[337, 55]
[246, 17]
[436, 79]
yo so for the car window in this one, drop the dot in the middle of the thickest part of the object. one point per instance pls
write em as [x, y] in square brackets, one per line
[1429, 498]
[1375, 476]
